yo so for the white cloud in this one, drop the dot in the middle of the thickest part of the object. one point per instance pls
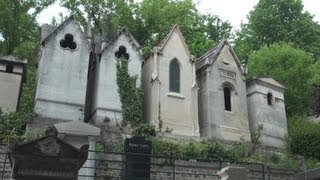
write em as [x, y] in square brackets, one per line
[54, 10]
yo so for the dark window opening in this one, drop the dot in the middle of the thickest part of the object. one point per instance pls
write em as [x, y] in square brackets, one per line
[122, 53]
[227, 98]
[9, 68]
[269, 97]
[174, 76]
[68, 42]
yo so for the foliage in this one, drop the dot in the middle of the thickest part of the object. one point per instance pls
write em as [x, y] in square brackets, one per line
[304, 137]
[145, 130]
[32, 135]
[19, 25]
[275, 21]
[130, 95]
[167, 148]
[20, 32]
[276, 160]
[211, 149]
[289, 66]
[150, 20]
[13, 124]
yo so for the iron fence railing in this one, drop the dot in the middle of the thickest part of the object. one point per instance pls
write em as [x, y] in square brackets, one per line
[110, 165]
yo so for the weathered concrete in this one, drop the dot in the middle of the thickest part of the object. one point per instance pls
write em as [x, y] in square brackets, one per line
[79, 134]
[108, 100]
[11, 83]
[313, 174]
[177, 112]
[217, 68]
[233, 173]
[271, 117]
[46, 158]
[111, 166]
[62, 74]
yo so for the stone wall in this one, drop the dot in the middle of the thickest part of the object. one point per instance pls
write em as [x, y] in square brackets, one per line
[110, 166]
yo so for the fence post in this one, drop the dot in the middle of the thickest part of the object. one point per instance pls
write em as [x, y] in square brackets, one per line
[173, 168]
[122, 164]
[263, 172]
[4, 165]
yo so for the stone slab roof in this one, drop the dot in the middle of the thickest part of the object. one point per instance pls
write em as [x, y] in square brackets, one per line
[270, 81]
[77, 128]
[13, 60]
[212, 54]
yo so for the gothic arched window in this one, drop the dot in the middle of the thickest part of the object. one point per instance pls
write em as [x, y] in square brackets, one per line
[269, 97]
[227, 98]
[174, 76]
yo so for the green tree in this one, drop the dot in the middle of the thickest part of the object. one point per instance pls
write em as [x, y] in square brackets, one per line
[150, 20]
[107, 16]
[275, 21]
[17, 25]
[19, 34]
[289, 66]
[304, 137]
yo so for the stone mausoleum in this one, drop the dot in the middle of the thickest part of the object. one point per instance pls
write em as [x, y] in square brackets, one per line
[191, 97]
[12, 77]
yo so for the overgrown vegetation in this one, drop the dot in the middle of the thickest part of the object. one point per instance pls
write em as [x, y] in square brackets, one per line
[280, 40]
[131, 98]
[304, 137]
[213, 149]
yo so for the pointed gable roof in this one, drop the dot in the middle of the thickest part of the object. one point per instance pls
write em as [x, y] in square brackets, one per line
[270, 81]
[124, 31]
[211, 56]
[62, 25]
[164, 41]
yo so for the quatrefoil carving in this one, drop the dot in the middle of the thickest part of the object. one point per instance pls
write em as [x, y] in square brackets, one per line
[122, 53]
[68, 42]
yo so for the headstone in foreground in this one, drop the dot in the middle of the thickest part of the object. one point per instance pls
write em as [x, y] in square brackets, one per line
[138, 151]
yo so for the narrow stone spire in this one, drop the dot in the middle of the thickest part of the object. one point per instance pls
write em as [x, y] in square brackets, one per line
[89, 29]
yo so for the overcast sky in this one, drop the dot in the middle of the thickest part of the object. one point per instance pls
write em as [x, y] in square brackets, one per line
[235, 11]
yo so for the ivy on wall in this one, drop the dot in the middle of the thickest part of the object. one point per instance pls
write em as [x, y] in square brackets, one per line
[131, 98]
[130, 95]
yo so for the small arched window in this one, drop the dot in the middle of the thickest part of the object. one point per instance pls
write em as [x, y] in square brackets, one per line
[9, 68]
[269, 97]
[227, 98]
[174, 76]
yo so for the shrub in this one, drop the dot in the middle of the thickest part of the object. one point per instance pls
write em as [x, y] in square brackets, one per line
[304, 137]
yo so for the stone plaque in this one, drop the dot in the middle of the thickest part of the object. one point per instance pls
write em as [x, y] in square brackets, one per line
[138, 152]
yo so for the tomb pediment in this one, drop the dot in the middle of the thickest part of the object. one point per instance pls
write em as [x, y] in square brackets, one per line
[46, 158]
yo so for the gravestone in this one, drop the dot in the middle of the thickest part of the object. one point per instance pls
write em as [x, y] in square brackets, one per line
[46, 158]
[138, 151]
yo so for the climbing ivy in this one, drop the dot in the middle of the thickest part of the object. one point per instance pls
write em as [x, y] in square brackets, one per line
[131, 98]
[130, 95]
